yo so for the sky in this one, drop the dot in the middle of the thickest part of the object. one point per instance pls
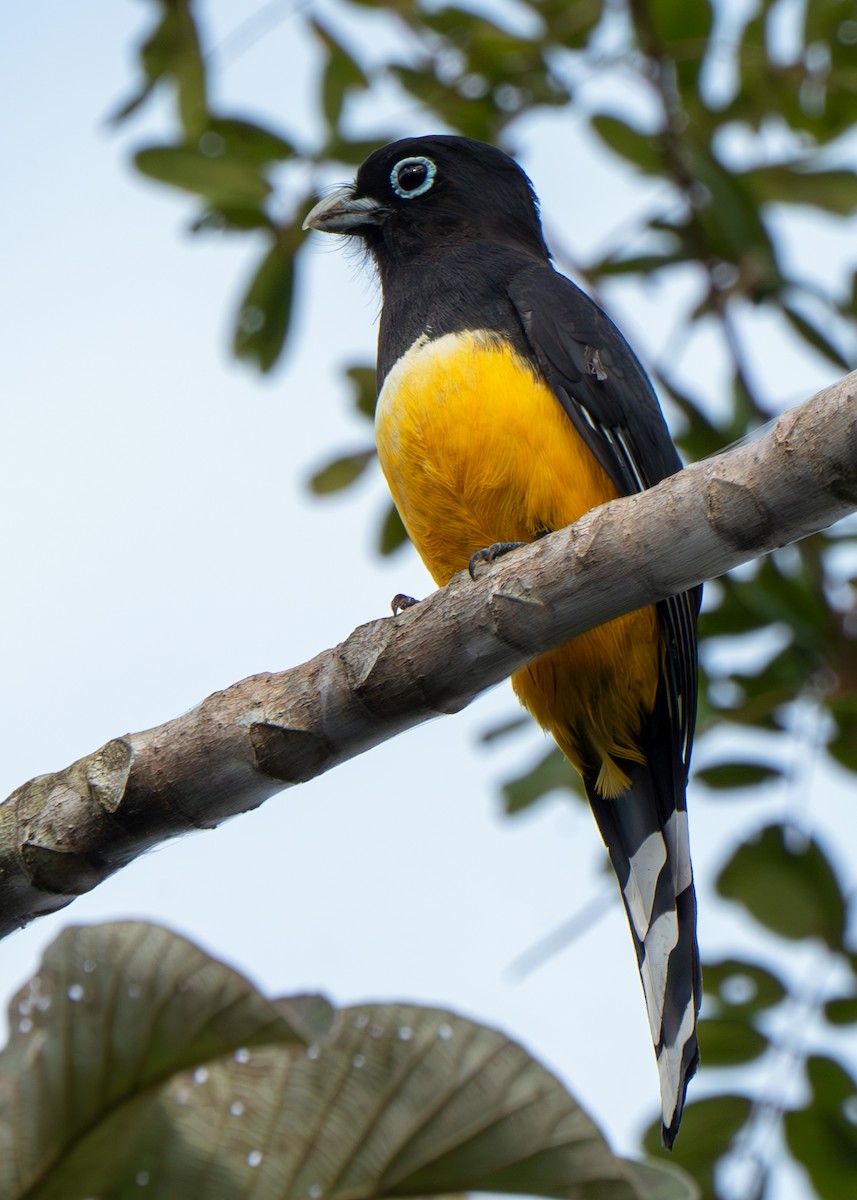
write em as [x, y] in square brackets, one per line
[160, 544]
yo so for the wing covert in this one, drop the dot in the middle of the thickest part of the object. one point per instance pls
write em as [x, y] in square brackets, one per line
[607, 395]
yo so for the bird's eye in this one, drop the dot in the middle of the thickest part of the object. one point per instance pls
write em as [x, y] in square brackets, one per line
[412, 176]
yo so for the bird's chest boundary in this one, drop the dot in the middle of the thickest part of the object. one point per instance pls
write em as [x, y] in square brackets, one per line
[476, 448]
[458, 407]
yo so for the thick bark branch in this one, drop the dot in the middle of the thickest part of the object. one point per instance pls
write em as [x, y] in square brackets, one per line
[62, 834]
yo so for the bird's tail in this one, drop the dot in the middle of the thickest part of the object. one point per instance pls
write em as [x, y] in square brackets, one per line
[645, 831]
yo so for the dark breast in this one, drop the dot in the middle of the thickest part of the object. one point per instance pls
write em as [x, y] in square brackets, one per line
[450, 290]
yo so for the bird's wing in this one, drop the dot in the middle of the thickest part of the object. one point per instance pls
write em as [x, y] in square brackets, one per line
[607, 395]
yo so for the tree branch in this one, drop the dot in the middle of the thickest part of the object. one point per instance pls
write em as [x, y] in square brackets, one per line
[61, 834]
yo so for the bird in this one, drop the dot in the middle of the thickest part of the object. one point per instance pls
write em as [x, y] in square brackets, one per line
[509, 405]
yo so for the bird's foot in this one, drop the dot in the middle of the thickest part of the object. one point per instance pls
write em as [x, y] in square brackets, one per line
[490, 554]
[400, 602]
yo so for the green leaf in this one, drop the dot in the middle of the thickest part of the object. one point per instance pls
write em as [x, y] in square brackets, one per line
[841, 1011]
[729, 1042]
[172, 51]
[638, 148]
[823, 1135]
[793, 597]
[341, 472]
[708, 1128]
[657, 1181]
[549, 773]
[570, 24]
[114, 1012]
[472, 117]
[833, 191]
[823, 19]
[494, 62]
[683, 28]
[341, 74]
[264, 313]
[365, 386]
[739, 986]
[787, 883]
[392, 534]
[736, 775]
[223, 182]
[496, 733]
[253, 144]
[352, 151]
[640, 264]
[147, 1064]
[680, 34]
[814, 336]
[843, 750]
[229, 218]
[731, 225]
[842, 747]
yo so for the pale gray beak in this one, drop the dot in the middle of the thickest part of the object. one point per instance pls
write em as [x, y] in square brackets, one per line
[343, 212]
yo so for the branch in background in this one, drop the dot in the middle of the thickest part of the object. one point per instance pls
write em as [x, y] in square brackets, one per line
[61, 834]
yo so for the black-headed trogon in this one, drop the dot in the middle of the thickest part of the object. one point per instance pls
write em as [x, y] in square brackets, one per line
[509, 405]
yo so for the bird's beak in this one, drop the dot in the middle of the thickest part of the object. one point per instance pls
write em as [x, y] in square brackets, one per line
[343, 212]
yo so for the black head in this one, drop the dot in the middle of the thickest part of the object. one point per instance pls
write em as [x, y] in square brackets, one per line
[419, 194]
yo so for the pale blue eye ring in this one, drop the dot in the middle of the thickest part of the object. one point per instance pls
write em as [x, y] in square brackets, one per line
[412, 177]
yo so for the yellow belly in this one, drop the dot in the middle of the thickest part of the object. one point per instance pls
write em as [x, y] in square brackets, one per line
[476, 449]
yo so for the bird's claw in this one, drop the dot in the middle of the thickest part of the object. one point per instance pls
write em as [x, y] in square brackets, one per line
[400, 602]
[490, 554]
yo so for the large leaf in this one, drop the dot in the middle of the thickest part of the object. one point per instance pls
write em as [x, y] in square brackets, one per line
[113, 1014]
[137, 1061]
[787, 883]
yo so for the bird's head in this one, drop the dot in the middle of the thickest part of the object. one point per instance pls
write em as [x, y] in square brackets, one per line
[421, 194]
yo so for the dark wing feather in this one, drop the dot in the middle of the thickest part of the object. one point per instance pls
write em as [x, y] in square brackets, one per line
[608, 397]
[602, 387]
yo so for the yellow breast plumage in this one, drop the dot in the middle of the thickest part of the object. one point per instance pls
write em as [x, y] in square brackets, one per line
[477, 449]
